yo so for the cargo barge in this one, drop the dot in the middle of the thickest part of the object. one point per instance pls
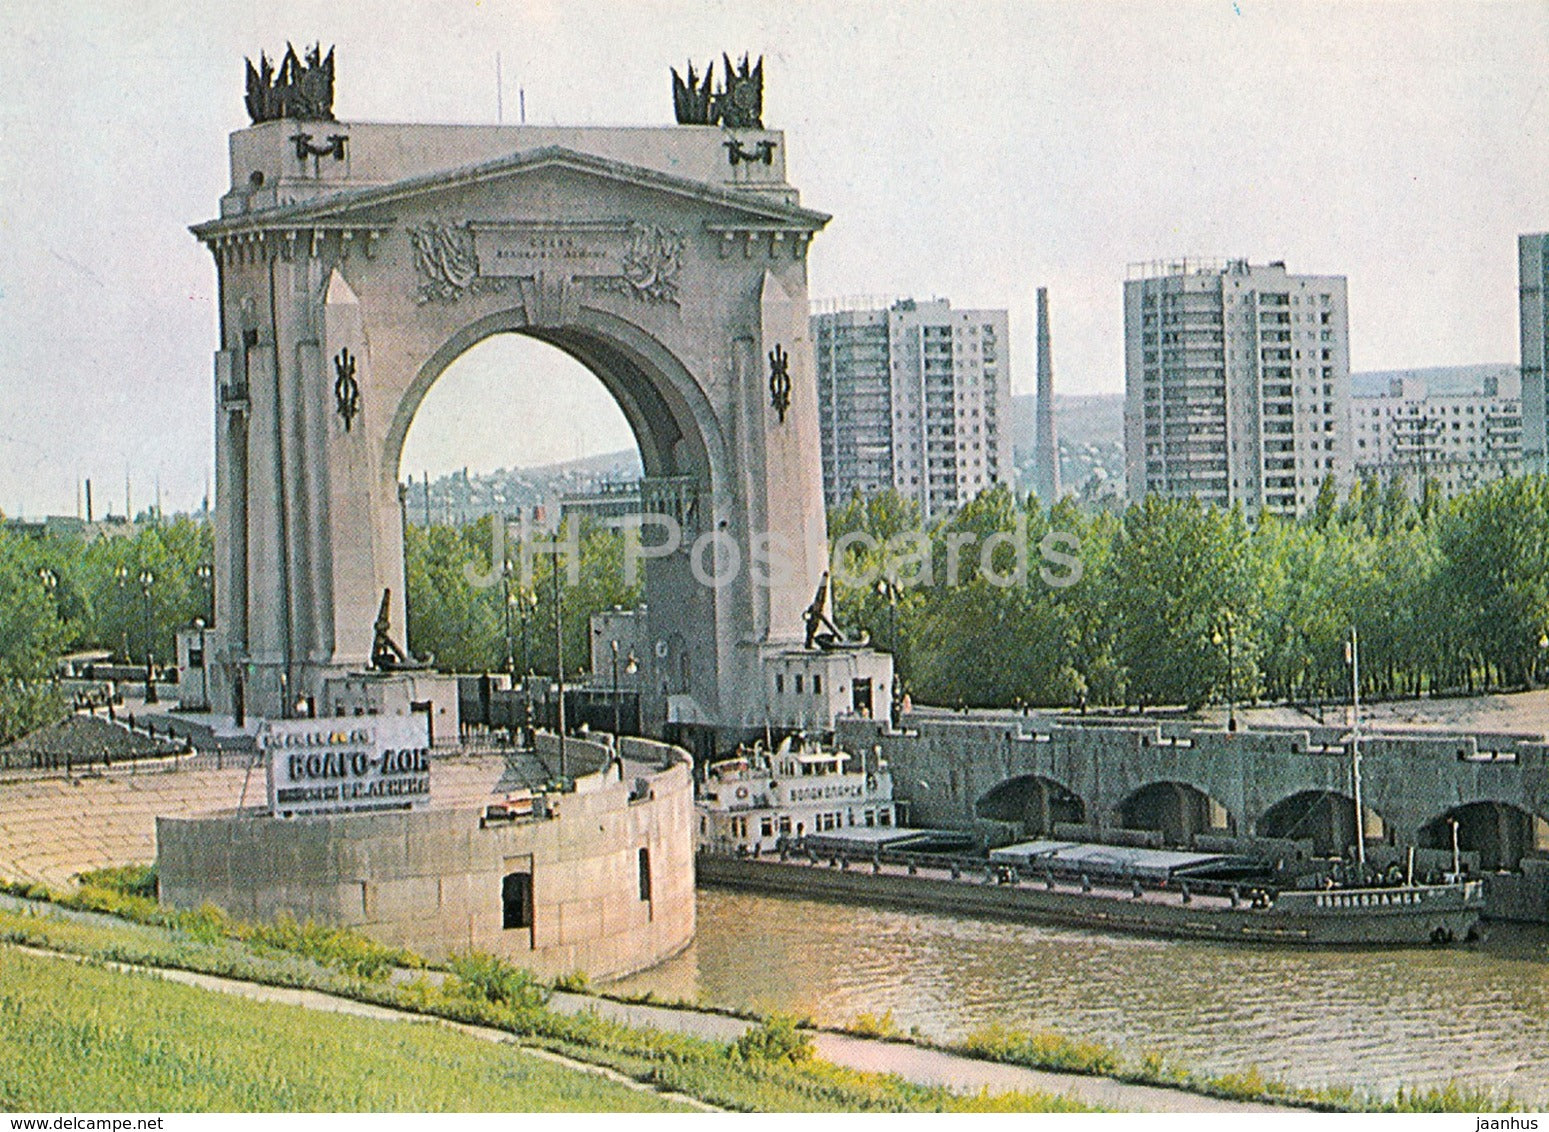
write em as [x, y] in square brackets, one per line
[1401, 915]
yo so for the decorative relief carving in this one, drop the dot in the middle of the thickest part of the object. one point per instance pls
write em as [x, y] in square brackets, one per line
[346, 390]
[305, 147]
[447, 262]
[652, 259]
[780, 381]
[642, 261]
[762, 151]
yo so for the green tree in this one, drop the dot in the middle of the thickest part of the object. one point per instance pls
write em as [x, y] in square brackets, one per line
[993, 632]
[461, 620]
[32, 635]
[1495, 567]
[1180, 574]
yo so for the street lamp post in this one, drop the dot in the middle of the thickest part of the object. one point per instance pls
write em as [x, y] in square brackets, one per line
[527, 605]
[1221, 636]
[559, 657]
[206, 575]
[631, 666]
[147, 579]
[507, 600]
[50, 582]
[1353, 659]
[204, 667]
[121, 575]
[888, 589]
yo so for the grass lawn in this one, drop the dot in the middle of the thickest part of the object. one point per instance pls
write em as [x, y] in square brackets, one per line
[75, 1037]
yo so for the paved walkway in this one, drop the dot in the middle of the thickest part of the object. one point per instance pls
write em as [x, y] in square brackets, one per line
[917, 1064]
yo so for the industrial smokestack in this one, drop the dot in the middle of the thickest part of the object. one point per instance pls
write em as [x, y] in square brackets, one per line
[1046, 451]
[88, 501]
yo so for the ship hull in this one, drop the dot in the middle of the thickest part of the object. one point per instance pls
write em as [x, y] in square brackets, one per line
[1364, 918]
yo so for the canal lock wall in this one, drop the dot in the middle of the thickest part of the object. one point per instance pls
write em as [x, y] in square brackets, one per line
[1016, 775]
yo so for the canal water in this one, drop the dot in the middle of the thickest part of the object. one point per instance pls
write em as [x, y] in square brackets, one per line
[1372, 1019]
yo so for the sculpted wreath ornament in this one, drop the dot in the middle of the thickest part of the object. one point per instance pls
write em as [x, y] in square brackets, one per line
[652, 259]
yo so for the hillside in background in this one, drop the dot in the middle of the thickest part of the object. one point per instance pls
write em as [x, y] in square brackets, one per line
[465, 496]
[1090, 432]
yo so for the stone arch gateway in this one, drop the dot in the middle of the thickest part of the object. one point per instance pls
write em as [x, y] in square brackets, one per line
[350, 275]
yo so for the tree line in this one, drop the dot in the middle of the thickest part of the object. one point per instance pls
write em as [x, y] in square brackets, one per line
[1172, 602]
[62, 593]
[1179, 603]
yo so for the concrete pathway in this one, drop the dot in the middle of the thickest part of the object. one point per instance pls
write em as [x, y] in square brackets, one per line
[917, 1064]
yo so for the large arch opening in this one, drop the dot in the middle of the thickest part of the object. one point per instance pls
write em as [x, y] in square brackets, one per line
[1325, 817]
[1033, 803]
[508, 404]
[619, 382]
[667, 413]
[1500, 833]
[516, 429]
[1176, 810]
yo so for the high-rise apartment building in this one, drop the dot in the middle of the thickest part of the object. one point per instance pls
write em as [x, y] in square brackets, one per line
[1237, 383]
[1457, 426]
[913, 396]
[1533, 292]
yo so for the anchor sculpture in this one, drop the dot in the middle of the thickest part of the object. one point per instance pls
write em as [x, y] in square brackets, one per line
[386, 654]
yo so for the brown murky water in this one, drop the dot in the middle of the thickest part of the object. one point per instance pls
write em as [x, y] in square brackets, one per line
[1374, 1019]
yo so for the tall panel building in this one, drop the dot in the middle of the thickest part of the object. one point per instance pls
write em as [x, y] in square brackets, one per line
[1237, 383]
[913, 396]
[1533, 292]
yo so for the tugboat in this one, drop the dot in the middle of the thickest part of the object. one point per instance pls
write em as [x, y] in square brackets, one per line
[762, 799]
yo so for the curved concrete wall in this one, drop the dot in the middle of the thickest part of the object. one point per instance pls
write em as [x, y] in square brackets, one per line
[432, 880]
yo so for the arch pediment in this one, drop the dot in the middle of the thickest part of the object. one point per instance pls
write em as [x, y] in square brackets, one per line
[748, 210]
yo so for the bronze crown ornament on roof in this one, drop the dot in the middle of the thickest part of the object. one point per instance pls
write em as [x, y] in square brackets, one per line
[302, 90]
[738, 104]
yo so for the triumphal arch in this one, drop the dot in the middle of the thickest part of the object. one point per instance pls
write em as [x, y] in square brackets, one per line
[356, 260]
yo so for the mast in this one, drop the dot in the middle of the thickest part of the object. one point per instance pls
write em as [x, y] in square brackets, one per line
[1353, 650]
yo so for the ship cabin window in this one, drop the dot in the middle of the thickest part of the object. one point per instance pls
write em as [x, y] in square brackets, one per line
[766, 827]
[798, 683]
[817, 685]
[884, 817]
[849, 816]
[645, 873]
[702, 824]
[516, 901]
[779, 684]
[871, 817]
[785, 823]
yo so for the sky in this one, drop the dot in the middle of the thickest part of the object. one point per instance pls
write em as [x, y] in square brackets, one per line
[969, 150]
